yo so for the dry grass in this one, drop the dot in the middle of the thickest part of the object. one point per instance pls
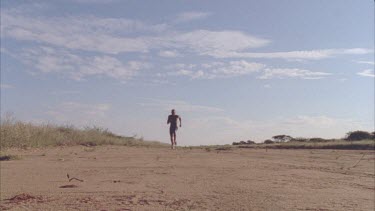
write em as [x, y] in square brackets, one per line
[25, 135]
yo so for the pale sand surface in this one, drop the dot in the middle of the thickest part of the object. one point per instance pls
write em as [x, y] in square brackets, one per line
[129, 178]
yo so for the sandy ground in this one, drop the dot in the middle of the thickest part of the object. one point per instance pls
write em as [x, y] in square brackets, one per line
[126, 178]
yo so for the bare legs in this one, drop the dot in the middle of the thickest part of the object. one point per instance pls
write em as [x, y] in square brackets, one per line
[173, 140]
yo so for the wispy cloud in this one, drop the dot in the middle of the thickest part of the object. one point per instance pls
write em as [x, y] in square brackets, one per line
[190, 16]
[65, 92]
[292, 55]
[178, 105]
[120, 35]
[207, 42]
[116, 35]
[267, 86]
[367, 73]
[292, 73]
[83, 114]
[169, 53]
[6, 86]
[89, 33]
[365, 62]
[239, 68]
[78, 67]
[216, 69]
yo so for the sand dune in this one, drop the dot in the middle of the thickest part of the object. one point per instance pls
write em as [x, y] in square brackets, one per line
[130, 178]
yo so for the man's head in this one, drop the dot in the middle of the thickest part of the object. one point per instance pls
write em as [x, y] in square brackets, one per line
[173, 112]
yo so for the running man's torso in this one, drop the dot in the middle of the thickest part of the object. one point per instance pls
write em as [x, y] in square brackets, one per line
[173, 120]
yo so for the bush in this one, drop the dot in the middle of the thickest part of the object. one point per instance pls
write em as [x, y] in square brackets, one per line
[250, 142]
[299, 140]
[317, 140]
[243, 142]
[358, 135]
[282, 138]
[268, 141]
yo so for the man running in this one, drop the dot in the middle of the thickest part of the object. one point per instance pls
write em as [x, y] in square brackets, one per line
[172, 119]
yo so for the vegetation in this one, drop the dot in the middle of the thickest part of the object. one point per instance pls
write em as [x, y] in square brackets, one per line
[333, 144]
[268, 141]
[359, 135]
[243, 142]
[282, 138]
[23, 135]
[362, 140]
[8, 157]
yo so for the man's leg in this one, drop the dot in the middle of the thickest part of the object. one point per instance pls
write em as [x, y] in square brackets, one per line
[174, 136]
[172, 141]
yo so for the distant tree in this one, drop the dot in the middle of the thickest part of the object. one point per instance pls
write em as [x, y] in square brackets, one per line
[250, 142]
[317, 140]
[358, 135]
[299, 139]
[242, 142]
[282, 138]
[235, 143]
[373, 135]
[268, 141]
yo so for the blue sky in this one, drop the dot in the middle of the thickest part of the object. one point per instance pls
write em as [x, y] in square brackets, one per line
[233, 70]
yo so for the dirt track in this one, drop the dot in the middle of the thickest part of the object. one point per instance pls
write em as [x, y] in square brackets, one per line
[125, 178]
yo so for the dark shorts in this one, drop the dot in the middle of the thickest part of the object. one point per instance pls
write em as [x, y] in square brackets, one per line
[172, 130]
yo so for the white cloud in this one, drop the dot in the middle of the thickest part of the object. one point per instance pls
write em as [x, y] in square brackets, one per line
[366, 62]
[267, 86]
[119, 35]
[169, 53]
[292, 73]
[116, 35]
[240, 68]
[167, 105]
[207, 42]
[65, 92]
[190, 16]
[367, 73]
[81, 114]
[216, 69]
[78, 67]
[106, 35]
[291, 55]
[6, 86]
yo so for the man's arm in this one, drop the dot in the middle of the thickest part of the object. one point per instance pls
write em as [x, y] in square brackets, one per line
[168, 120]
[180, 121]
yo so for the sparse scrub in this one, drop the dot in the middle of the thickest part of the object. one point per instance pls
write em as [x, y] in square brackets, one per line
[331, 144]
[24, 135]
[299, 140]
[318, 140]
[9, 157]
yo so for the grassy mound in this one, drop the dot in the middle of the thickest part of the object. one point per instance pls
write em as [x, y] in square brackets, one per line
[23, 135]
